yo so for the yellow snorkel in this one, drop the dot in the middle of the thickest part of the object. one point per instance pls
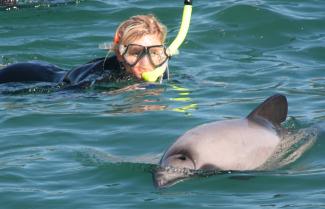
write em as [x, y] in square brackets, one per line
[152, 76]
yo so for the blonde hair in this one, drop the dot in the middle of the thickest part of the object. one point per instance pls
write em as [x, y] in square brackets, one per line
[137, 26]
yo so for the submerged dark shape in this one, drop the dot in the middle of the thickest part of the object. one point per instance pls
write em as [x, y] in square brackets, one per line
[101, 70]
[7, 3]
[237, 145]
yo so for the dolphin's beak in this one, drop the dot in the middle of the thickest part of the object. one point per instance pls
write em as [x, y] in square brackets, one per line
[168, 176]
[159, 179]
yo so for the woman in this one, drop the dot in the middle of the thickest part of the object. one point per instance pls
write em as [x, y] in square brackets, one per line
[138, 47]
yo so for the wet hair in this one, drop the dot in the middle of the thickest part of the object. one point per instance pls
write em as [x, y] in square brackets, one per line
[136, 27]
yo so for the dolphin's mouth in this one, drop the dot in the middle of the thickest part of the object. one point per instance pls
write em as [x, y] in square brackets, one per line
[164, 177]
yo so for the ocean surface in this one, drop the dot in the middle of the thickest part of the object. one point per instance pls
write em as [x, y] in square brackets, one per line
[96, 148]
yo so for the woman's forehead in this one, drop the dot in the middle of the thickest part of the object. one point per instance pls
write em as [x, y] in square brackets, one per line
[145, 40]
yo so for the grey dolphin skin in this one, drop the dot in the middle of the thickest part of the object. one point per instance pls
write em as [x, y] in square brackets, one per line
[237, 145]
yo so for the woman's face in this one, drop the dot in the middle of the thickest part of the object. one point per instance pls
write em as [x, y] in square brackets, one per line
[144, 64]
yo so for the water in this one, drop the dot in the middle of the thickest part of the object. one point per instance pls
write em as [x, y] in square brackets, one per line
[95, 148]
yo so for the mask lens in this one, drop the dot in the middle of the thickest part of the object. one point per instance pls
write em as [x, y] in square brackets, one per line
[157, 55]
[133, 54]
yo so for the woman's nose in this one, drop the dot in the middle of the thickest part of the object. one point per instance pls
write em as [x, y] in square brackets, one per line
[145, 62]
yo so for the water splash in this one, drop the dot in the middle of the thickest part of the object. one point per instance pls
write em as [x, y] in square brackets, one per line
[291, 147]
[94, 157]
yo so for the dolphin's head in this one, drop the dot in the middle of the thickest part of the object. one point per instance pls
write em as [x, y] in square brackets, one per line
[175, 165]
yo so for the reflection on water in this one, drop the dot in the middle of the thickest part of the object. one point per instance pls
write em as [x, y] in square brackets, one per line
[145, 97]
[134, 98]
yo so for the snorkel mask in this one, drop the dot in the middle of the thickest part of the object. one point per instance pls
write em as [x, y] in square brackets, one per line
[152, 76]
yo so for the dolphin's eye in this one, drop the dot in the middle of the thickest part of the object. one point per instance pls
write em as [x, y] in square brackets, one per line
[179, 160]
[182, 157]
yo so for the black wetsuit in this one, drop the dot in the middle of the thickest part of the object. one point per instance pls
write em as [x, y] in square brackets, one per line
[96, 71]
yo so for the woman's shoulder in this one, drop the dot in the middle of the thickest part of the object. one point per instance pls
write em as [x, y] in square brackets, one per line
[108, 63]
[96, 60]
[94, 68]
[108, 60]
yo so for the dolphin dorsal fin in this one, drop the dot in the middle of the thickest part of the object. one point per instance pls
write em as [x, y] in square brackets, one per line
[274, 109]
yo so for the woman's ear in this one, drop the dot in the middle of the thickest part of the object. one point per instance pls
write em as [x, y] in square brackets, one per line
[117, 38]
[116, 46]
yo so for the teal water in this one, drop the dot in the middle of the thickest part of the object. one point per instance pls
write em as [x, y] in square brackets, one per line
[96, 148]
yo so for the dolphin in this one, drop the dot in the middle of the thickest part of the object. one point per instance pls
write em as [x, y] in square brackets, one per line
[237, 145]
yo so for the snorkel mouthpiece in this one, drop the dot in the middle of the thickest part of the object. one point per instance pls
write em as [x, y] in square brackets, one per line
[152, 76]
